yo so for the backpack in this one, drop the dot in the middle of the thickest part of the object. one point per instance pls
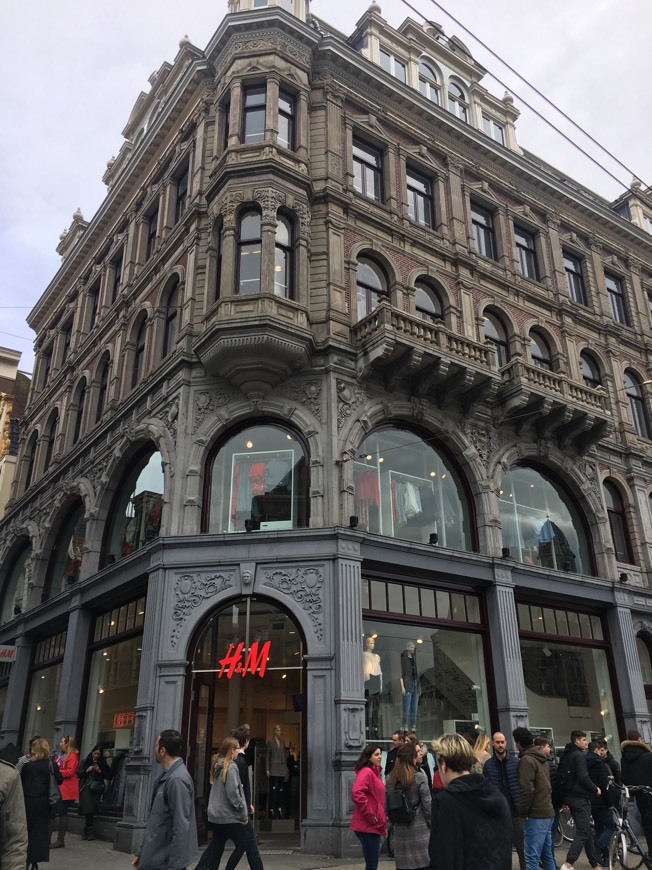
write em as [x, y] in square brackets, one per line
[565, 775]
[399, 810]
[557, 795]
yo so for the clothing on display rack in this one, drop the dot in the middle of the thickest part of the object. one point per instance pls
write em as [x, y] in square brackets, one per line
[367, 497]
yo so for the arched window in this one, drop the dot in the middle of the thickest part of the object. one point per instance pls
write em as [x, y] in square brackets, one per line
[135, 516]
[428, 83]
[171, 328]
[105, 369]
[541, 525]
[637, 407]
[407, 488]
[495, 332]
[79, 415]
[138, 367]
[257, 479]
[590, 370]
[457, 101]
[249, 252]
[540, 351]
[15, 584]
[427, 302]
[617, 522]
[67, 553]
[30, 453]
[283, 259]
[51, 438]
[371, 286]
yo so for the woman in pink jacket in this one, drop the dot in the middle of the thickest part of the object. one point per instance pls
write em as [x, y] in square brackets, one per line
[68, 763]
[368, 794]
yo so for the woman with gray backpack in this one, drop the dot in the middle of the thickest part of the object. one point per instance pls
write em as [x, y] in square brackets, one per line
[408, 802]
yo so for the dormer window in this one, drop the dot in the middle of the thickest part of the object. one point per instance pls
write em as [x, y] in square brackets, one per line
[393, 66]
[457, 104]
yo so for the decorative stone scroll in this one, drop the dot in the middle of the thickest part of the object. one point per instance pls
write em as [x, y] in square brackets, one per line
[348, 399]
[302, 585]
[190, 590]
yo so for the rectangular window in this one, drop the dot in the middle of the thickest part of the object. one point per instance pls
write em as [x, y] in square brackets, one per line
[493, 129]
[419, 196]
[46, 367]
[367, 170]
[393, 66]
[525, 251]
[181, 195]
[152, 226]
[66, 342]
[93, 305]
[616, 298]
[574, 278]
[116, 279]
[285, 119]
[255, 99]
[484, 239]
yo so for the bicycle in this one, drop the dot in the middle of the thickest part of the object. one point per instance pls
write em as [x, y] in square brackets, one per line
[625, 850]
[565, 828]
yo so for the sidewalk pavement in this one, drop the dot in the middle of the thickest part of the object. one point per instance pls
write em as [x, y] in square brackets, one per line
[80, 855]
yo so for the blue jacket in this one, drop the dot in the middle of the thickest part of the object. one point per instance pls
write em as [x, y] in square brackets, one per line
[170, 840]
[492, 769]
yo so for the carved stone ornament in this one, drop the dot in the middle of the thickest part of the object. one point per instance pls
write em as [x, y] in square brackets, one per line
[589, 474]
[190, 590]
[207, 401]
[229, 204]
[354, 734]
[348, 399]
[485, 439]
[302, 585]
[306, 393]
[270, 200]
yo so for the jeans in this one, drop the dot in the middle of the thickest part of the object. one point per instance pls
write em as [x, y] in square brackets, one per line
[370, 849]
[538, 844]
[605, 825]
[580, 810]
[251, 847]
[212, 856]
[410, 701]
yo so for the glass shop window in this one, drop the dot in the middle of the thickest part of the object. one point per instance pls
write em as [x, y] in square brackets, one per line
[136, 514]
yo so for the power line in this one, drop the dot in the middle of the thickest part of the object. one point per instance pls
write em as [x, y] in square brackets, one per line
[13, 335]
[528, 105]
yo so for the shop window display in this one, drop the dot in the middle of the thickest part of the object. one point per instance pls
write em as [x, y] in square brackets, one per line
[67, 553]
[136, 515]
[258, 482]
[45, 680]
[541, 526]
[423, 678]
[406, 489]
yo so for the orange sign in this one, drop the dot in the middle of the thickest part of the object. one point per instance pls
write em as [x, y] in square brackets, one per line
[123, 720]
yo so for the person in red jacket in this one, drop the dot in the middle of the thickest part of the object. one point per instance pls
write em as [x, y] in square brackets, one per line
[68, 763]
[368, 795]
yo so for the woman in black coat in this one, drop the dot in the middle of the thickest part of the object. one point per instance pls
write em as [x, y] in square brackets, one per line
[92, 772]
[35, 776]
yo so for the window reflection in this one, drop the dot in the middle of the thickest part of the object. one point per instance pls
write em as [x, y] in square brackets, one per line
[67, 554]
[136, 515]
[405, 489]
[540, 524]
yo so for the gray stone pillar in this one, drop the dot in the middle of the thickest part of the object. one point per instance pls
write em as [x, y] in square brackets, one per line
[17, 689]
[72, 671]
[511, 700]
[317, 825]
[629, 678]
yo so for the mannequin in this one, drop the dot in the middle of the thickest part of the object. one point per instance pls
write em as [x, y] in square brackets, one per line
[373, 685]
[409, 686]
[277, 774]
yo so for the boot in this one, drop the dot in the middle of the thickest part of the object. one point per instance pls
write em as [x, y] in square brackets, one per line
[91, 834]
[84, 834]
[61, 836]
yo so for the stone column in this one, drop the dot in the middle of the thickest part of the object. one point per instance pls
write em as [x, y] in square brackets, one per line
[317, 824]
[72, 670]
[511, 701]
[629, 679]
[17, 689]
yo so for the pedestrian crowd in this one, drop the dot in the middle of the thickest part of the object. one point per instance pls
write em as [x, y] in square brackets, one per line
[477, 806]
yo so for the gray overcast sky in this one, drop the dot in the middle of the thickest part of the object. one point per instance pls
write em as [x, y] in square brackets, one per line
[70, 73]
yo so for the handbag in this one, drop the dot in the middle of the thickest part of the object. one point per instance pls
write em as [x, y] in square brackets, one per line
[54, 792]
[96, 787]
[399, 810]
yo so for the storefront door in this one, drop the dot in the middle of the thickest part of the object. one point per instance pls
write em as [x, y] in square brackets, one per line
[247, 668]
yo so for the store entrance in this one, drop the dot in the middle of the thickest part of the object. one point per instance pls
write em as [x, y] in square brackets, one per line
[247, 668]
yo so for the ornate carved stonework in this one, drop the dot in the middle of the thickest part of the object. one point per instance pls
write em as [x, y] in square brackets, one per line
[589, 472]
[485, 439]
[307, 393]
[207, 401]
[190, 590]
[354, 735]
[228, 206]
[270, 199]
[302, 585]
[348, 399]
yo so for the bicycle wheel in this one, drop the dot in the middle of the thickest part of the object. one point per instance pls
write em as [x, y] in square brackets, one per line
[559, 836]
[567, 825]
[623, 853]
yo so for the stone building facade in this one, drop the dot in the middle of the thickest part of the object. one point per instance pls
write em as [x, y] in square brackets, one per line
[339, 421]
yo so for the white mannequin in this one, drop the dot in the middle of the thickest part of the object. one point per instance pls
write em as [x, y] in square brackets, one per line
[371, 662]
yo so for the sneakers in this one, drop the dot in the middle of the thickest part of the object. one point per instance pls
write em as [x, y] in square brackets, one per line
[566, 866]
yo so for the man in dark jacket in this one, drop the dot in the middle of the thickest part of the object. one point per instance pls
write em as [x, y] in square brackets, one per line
[471, 821]
[535, 801]
[636, 768]
[397, 742]
[603, 818]
[502, 770]
[242, 735]
[579, 790]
